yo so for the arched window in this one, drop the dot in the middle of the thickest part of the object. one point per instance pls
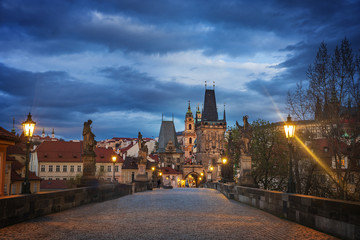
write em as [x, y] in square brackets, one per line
[189, 126]
[190, 140]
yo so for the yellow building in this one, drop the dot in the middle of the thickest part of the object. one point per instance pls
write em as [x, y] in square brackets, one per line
[6, 139]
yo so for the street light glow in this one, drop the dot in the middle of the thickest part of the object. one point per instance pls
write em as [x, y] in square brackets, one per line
[289, 128]
[29, 126]
[114, 159]
[224, 161]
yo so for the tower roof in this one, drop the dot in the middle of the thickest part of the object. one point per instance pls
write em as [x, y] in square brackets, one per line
[210, 110]
[189, 112]
[167, 133]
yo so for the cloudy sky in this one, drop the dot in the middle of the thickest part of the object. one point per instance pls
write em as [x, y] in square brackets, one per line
[124, 63]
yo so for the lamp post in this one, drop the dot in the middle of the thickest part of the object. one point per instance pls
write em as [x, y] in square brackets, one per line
[224, 169]
[289, 128]
[114, 161]
[28, 128]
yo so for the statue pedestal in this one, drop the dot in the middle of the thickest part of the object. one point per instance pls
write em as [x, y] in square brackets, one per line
[246, 178]
[89, 168]
[141, 176]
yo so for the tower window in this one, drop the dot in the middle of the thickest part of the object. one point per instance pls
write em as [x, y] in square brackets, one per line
[190, 140]
[189, 126]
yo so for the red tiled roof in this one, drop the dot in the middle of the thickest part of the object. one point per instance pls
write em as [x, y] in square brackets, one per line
[6, 135]
[169, 170]
[16, 166]
[61, 151]
[155, 157]
[104, 155]
[54, 184]
[16, 149]
[125, 149]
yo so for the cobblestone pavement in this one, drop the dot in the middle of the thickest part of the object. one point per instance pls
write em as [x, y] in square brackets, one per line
[162, 214]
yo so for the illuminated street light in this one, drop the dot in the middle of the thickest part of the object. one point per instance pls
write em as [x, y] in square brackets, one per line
[224, 160]
[211, 168]
[29, 128]
[153, 168]
[289, 128]
[114, 161]
[202, 174]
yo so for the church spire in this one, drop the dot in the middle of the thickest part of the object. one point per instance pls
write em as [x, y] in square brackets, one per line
[189, 108]
[13, 128]
[43, 133]
[224, 119]
[53, 134]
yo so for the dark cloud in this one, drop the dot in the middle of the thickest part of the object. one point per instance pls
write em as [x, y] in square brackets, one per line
[232, 28]
[225, 27]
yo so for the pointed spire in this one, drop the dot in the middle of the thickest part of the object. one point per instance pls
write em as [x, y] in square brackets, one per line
[224, 114]
[53, 134]
[43, 133]
[205, 85]
[13, 128]
[189, 108]
[214, 85]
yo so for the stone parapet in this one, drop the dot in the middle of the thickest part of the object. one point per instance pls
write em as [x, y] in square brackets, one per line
[335, 217]
[15, 209]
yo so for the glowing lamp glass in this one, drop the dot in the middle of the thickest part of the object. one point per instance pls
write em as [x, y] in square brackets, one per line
[289, 128]
[224, 160]
[114, 158]
[29, 126]
[153, 168]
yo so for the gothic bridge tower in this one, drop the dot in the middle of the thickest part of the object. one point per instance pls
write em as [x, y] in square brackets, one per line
[210, 132]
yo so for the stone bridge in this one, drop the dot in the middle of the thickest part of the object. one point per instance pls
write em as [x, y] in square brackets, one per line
[182, 213]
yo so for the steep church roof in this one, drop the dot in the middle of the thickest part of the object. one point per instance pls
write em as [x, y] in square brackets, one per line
[210, 110]
[167, 133]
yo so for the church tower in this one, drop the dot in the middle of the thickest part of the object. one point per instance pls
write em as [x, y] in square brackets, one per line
[210, 133]
[189, 133]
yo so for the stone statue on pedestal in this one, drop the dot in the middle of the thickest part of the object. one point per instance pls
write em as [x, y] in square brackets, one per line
[142, 160]
[245, 178]
[88, 155]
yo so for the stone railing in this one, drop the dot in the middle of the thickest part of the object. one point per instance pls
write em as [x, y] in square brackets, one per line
[15, 209]
[335, 217]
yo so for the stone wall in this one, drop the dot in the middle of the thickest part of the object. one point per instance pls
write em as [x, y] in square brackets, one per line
[15, 209]
[335, 217]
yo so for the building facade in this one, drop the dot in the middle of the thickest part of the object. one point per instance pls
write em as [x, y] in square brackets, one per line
[210, 133]
[189, 134]
[169, 150]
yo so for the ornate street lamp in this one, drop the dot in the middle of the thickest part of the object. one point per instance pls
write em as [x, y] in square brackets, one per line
[289, 128]
[28, 128]
[224, 170]
[114, 161]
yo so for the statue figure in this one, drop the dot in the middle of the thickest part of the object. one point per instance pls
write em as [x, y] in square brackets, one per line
[89, 142]
[143, 149]
[246, 135]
